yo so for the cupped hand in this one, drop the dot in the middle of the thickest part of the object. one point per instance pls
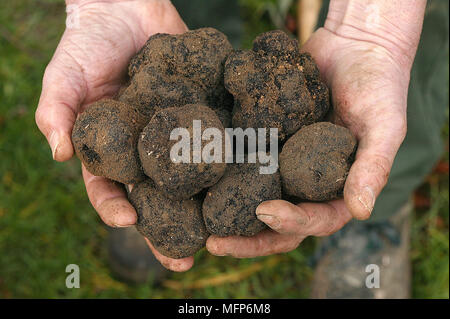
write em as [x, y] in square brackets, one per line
[90, 63]
[369, 83]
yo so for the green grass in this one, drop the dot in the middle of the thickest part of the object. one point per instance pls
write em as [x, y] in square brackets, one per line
[46, 221]
[430, 238]
[430, 248]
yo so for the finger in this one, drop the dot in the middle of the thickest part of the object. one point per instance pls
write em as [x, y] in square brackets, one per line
[109, 200]
[61, 96]
[264, 243]
[178, 265]
[370, 171]
[306, 219]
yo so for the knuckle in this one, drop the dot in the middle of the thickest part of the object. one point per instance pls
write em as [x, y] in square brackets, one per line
[381, 169]
[330, 228]
[290, 245]
[49, 74]
[260, 243]
[399, 129]
[213, 248]
[329, 223]
[306, 218]
[403, 128]
[309, 220]
[40, 119]
[293, 245]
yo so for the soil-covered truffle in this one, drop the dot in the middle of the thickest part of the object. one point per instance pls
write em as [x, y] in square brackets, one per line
[175, 228]
[152, 91]
[317, 89]
[229, 206]
[275, 86]
[181, 180]
[315, 161]
[105, 139]
[175, 70]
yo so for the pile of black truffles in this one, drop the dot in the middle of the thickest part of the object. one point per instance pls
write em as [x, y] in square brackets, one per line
[197, 77]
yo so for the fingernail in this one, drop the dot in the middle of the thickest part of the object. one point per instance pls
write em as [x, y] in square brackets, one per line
[367, 198]
[54, 143]
[127, 221]
[271, 221]
[264, 207]
[122, 226]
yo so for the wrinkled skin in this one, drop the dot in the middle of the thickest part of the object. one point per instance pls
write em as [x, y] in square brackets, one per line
[91, 63]
[367, 74]
[368, 77]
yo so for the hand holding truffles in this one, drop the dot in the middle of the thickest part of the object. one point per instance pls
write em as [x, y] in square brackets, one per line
[181, 83]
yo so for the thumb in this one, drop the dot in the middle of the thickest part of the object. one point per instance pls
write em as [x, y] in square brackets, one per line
[63, 90]
[370, 171]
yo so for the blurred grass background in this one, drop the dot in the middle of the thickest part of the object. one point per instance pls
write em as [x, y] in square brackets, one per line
[46, 221]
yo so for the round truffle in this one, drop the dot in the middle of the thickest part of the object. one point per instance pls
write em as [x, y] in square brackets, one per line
[180, 167]
[105, 139]
[270, 86]
[230, 205]
[175, 228]
[315, 161]
[175, 70]
[151, 91]
[198, 55]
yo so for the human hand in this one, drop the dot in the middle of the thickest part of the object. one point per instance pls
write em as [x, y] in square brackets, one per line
[365, 57]
[90, 63]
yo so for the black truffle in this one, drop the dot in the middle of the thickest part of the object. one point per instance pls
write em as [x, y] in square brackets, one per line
[275, 86]
[315, 161]
[229, 206]
[105, 139]
[175, 70]
[181, 180]
[175, 228]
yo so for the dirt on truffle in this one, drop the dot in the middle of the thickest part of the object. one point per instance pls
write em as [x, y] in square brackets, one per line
[175, 70]
[180, 180]
[230, 205]
[275, 86]
[317, 89]
[105, 139]
[196, 76]
[315, 161]
[175, 228]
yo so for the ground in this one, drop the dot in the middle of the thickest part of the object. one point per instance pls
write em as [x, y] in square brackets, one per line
[46, 221]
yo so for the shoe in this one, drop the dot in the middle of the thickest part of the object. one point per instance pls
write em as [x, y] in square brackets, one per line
[366, 260]
[131, 259]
